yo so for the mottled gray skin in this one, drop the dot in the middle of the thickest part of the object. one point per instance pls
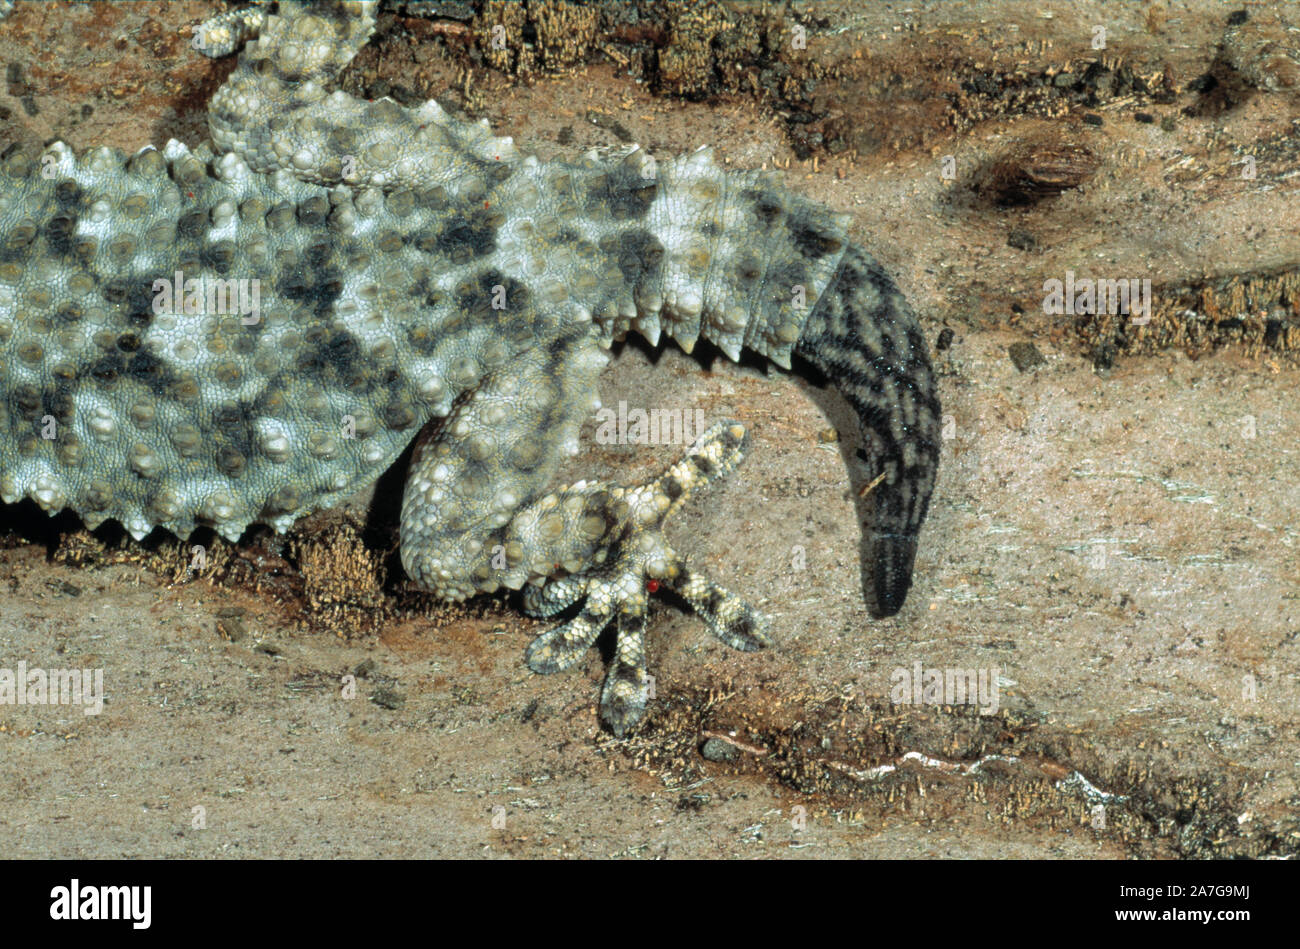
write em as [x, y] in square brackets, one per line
[414, 271]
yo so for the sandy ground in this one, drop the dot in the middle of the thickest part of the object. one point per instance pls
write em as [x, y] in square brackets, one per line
[1116, 546]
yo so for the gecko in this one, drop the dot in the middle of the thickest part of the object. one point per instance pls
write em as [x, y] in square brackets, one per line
[254, 329]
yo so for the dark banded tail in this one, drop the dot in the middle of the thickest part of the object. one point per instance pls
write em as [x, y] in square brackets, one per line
[864, 337]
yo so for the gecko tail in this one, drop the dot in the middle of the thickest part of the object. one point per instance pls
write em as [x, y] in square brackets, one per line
[864, 338]
[895, 555]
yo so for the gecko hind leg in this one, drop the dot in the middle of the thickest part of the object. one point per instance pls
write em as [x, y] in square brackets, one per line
[619, 567]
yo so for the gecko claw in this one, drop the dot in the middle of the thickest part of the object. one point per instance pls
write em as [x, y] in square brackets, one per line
[639, 561]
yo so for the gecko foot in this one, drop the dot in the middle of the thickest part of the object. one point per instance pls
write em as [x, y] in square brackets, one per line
[632, 561]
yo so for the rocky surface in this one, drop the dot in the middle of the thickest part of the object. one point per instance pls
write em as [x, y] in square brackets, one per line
[1113, 531]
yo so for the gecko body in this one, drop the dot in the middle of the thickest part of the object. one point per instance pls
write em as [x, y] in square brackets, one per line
[255, 328]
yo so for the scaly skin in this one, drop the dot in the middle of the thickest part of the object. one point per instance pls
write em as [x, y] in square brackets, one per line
[416, 274]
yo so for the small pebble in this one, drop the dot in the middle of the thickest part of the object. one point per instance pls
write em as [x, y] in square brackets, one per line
[230, 624]
[388, 698]
[715, 749]
[1021, 239]
[1025, 356]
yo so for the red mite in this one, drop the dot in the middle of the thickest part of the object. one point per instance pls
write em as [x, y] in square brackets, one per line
[652, 586]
